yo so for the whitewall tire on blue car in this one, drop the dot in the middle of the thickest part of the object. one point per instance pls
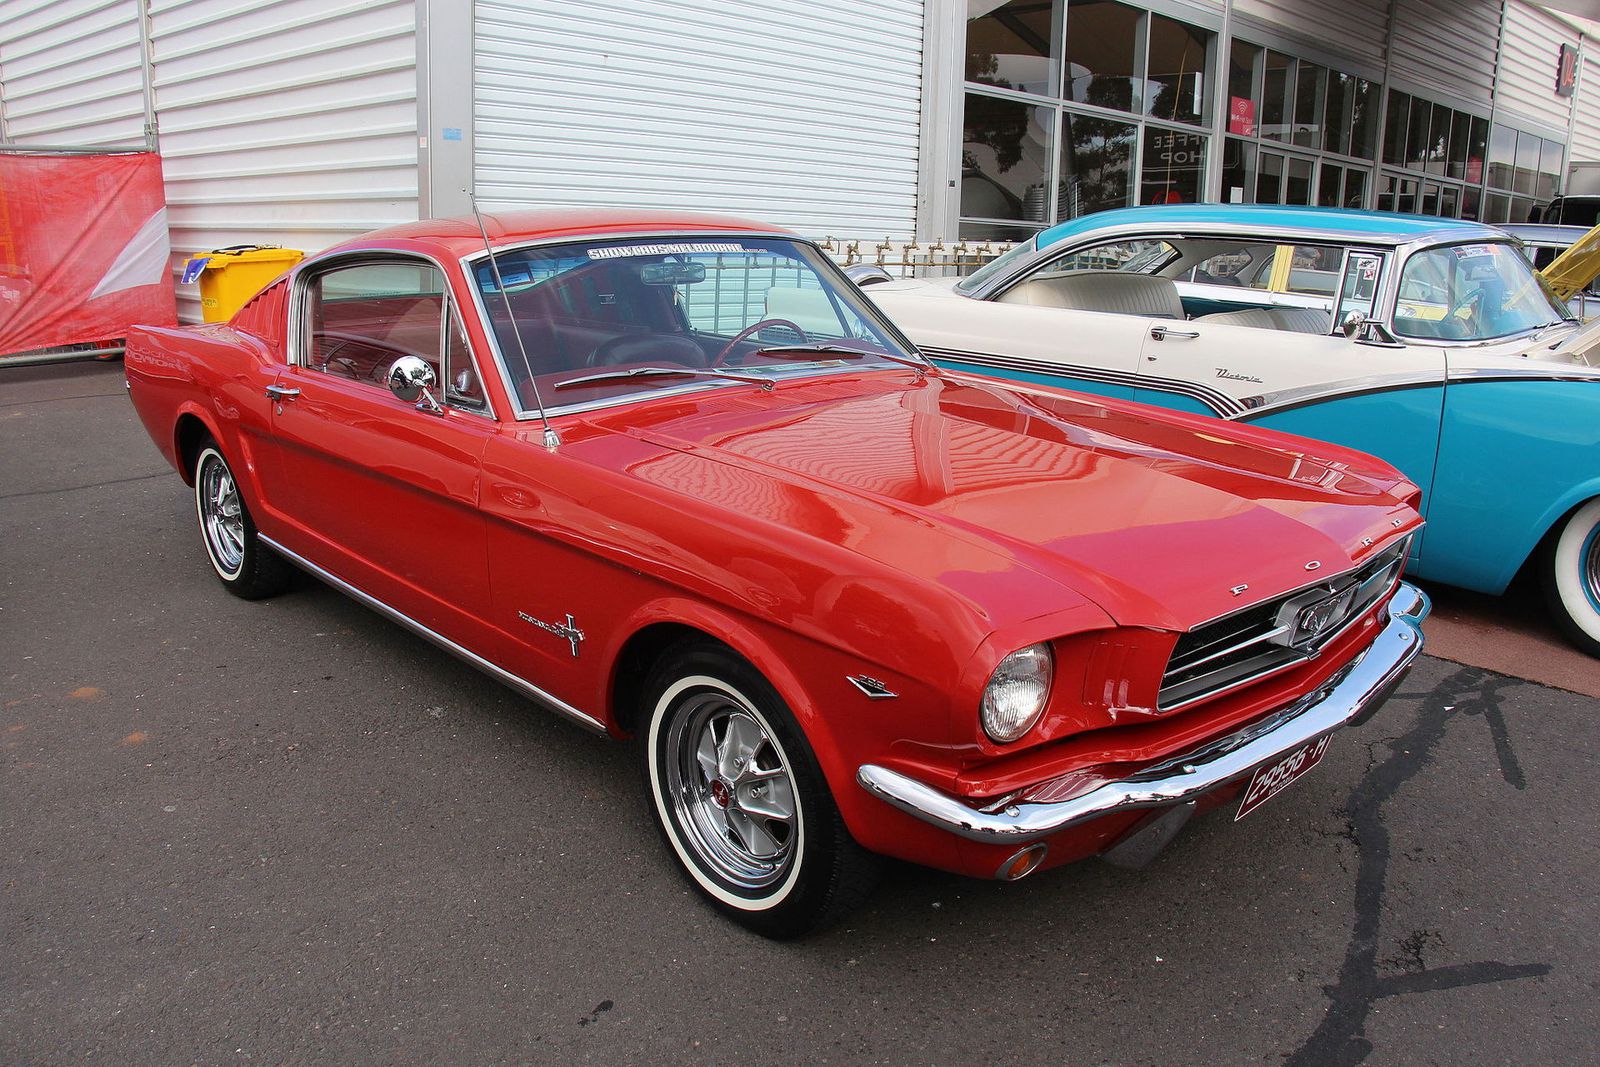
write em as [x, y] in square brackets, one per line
[1572, 576]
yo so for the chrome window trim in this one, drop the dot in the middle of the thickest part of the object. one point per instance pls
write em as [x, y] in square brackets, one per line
[301, 277]
[494, 670]
[552, 410]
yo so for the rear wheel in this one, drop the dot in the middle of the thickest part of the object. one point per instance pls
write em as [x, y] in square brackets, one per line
[1572, 577]
[248, 568]
[740, 800]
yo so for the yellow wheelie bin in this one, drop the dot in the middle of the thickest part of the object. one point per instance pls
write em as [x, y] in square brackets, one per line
[230, 276]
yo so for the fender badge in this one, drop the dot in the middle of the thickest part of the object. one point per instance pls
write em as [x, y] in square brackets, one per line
[567, 631]
[874, 689]
[1236, 590]
[1313, 565]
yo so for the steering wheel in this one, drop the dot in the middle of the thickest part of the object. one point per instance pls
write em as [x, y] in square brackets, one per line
[754, 327]
[1472, 304]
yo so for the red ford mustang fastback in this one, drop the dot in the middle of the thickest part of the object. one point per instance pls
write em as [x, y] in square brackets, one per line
[672, 477]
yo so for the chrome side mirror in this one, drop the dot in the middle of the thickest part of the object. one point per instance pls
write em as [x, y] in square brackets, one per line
[1352, 323]
[412, 380]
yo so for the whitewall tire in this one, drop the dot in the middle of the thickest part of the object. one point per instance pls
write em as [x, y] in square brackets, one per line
[1572, 577]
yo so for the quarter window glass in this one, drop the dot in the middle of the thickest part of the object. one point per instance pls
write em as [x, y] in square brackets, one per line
[1130, 257]
[361, 319]
[463, 386]
[1360, 285]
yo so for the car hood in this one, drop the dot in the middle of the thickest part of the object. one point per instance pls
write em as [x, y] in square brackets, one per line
[1159, 519]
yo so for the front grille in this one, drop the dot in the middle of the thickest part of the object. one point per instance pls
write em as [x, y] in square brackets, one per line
[1279, 633]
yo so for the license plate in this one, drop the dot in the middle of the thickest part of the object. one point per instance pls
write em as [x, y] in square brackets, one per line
[1273, 778]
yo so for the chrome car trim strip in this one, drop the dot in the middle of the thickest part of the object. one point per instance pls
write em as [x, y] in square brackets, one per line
[498, 673]
[1348, 698]
[1220, 403]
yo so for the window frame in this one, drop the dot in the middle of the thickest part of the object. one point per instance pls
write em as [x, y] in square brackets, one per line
[297, 328]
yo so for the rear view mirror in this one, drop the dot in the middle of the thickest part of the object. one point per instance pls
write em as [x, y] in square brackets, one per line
[672, 273]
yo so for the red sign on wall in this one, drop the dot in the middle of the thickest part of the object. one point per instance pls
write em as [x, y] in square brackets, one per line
[1566, 70]
[1241, 116]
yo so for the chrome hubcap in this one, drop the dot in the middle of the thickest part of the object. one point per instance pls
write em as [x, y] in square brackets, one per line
[221, 515]
[732, 792]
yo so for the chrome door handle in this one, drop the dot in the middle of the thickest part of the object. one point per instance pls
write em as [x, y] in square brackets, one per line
[280, 393]
[1162, 333]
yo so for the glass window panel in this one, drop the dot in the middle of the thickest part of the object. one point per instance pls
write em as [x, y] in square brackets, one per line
[1502, 159]
[1005, 159]
[1449, 201]
[1175, 85]
[1308, 104]
[1174, 167]
[1277, 91]
[1269, 179]
[1297, 187]
[1477, 148]
[1096, 165]
[1103, 54]
[1355, 188]
[1336, 114]
[1472, 203]
[1330, 185]
[1010, 46]
[1417, 133]
[1460, 144]
[1364, 119]
[1360, 286]
[1395, 124]
[990, 231]
[1496, 208]
[1550, 158]
[1521, 208]
[1238, 171]
[1438, 143]
[1244, 87]
[1527, 164]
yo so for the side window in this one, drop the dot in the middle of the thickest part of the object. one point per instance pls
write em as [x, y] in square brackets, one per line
[462, 386]
[360, 319]
[1129, 257]
[1360, 287]
[1309, 270]
[1241, 264]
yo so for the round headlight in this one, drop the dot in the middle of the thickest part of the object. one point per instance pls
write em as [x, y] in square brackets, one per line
[1015, 696]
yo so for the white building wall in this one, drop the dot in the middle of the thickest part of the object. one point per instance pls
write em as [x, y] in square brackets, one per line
[1353, 28]
[806, 115]
[1445, 49]
[1586, 113]
[71, 73]
[1526, 89]
[288, 122]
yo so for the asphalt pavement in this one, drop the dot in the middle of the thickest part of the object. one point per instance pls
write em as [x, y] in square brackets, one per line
[290, 832]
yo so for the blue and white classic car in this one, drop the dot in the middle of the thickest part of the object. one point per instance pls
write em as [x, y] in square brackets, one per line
[1429, 342]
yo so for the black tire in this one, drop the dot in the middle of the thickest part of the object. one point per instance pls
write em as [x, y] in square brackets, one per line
[247, 568]
[1571, 577]
[719, 804]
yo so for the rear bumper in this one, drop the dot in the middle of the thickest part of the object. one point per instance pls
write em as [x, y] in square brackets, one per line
[1348, 698]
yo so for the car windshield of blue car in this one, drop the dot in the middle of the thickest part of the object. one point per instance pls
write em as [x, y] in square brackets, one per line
[1477, 291]
[593, 323]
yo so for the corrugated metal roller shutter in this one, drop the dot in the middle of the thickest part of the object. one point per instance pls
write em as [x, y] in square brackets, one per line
[1527, 86]
[71, 73]
[1324, 28]
[289, 122]
[608, 102]
[1586, 119]
[1448, 45]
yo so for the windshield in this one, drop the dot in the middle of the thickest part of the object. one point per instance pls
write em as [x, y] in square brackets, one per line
[696, 312]
[997, 266]
[1473, 292]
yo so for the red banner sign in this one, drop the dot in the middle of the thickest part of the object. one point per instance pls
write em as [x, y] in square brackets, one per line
[1241, 115]
[83, 249]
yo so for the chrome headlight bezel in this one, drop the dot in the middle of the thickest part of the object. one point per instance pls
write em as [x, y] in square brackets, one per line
[1017, 693]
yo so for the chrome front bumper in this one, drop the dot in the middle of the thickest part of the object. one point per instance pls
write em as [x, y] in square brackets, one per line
[1348, 698]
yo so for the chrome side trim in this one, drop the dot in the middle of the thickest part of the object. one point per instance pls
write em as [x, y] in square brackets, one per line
[1348, 698]
[498, 673]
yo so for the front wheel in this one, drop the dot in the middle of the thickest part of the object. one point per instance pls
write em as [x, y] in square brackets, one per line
[740, 800]
[248, 568]
[1572, 577]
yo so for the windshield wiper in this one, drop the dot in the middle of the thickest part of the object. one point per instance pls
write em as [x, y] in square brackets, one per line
[921, 366]
[665, 372]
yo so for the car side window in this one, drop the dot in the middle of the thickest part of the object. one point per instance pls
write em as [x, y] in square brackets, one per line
[1142, 256]
[359, 319]
[462, 385]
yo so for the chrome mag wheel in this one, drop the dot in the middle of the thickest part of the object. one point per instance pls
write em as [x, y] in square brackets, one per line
[221, 515]
[732, 791]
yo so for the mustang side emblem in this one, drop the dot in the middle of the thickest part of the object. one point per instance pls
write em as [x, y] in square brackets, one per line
[1224, 372]
[1236, 590]
[874, 689]
[568, 631]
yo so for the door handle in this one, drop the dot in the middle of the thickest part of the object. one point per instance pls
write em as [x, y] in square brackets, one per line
[280, 393]
[1162, 333]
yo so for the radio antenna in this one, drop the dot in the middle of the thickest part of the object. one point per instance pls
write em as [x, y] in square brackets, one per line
[551, 438]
